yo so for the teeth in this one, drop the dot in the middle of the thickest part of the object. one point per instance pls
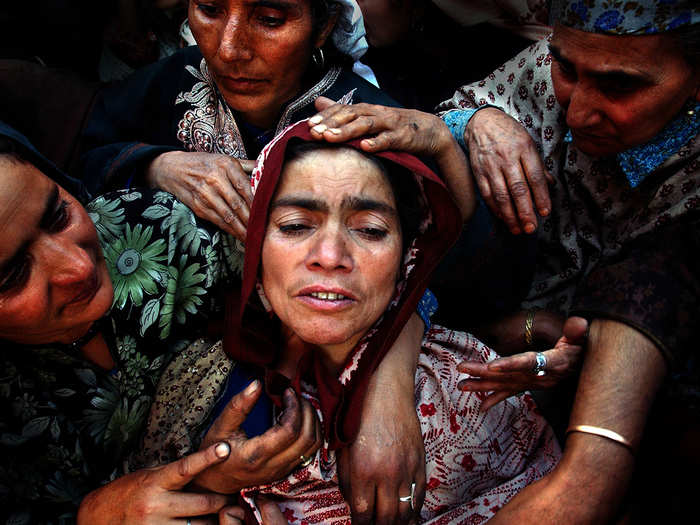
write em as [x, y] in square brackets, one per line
[328, 296]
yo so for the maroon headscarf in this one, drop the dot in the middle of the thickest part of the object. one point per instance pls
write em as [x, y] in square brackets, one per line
[253, 336]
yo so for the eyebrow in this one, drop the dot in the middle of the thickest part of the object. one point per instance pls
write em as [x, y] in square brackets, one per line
[611, 74]
[45, 221]
[348, 203]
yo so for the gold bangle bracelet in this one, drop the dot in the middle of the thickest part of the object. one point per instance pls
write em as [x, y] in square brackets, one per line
[602, 432]
[529, 323]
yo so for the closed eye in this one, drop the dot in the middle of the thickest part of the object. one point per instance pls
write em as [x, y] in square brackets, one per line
[16, 274]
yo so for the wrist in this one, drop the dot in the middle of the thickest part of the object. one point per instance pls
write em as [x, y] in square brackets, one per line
[158, 166]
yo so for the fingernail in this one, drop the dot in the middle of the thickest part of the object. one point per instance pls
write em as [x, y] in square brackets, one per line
[515, 231]
[335, 131]
[222, 450]
[544, 212]
[251, 388]
[316, 119]
[320, 128]
[529, 227]
[368, 142]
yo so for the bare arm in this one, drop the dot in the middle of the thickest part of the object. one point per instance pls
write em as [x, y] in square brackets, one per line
[621, 375]
[388, 454]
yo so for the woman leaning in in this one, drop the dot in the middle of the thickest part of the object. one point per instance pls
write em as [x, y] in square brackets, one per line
[610, 102]
[93, 305]
[188, 123]
[339, 250]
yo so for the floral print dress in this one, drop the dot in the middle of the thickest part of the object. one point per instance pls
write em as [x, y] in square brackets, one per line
[66, 424]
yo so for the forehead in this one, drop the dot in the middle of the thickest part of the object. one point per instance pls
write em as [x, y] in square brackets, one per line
[23, 193]
[334, 173]
[648, 53]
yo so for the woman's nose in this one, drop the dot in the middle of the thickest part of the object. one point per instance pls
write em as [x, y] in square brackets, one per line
[330, 252]
[67, 263]
[582, 110]
[235, 40]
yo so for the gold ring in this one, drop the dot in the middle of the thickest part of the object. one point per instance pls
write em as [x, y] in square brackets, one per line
[305, 462]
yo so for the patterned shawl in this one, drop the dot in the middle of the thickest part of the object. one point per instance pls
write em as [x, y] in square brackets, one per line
[254, 337]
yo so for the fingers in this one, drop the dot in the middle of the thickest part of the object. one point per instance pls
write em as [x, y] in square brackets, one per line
[277, 440]
[575, 330]
[247, 165]
[233, 515]
[524, 362]
[495, 398]
[322, 103]
[387, 504]
[520, 195]
[537, 178]
[270, 511]
[177, 474]
[362, 501]
[236, 411]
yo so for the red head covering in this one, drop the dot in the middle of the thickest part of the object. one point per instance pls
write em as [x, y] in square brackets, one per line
[252, 336]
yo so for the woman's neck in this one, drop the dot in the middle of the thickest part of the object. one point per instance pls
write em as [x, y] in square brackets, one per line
[333, 357]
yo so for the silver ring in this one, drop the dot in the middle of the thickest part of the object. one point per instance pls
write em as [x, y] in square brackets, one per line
[410, 498]
[540, 364]
[305, 462]
[189, 521]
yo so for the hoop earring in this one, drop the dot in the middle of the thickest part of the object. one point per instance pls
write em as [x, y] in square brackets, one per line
[318, 58]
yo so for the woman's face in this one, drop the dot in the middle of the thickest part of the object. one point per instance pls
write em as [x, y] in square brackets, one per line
[332, 249]
[257, 51]
[618, 91]
[53, 278]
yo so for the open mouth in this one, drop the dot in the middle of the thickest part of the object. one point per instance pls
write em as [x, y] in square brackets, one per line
[328, 296]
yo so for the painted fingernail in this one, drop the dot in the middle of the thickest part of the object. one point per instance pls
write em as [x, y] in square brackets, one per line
[252, 388]
[316, 119]
[335, 131]
[515, 231]
[529, 227]
[320, 128]
[544, 212]
[222, 450]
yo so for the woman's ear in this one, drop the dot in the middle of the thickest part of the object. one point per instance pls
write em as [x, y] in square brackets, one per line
[326, 31]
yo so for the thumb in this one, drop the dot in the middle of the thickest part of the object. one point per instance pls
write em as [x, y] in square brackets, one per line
[247, 165]
[271, 513]
[236, 411]
[322, 103]
[575, 330]
[177, 474]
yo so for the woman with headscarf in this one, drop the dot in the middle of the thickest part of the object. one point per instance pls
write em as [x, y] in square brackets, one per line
[79, 369]
[610, 102]
[339, 250]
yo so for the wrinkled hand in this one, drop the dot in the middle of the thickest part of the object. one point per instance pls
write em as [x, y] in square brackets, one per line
[388, 453]
[154, 496]
[398, 129]
[271, 513]
[265, 458]
[508, 376]
[214, 186]
[508, 169]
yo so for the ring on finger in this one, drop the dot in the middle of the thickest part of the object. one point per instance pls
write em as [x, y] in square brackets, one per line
[540, 368]
[305, 461]
[189, 521]
[410, 498]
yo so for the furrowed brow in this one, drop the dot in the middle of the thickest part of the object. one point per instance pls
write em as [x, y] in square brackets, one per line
[365, 204]
[300, 202]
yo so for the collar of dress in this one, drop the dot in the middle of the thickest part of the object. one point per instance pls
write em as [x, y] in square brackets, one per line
[638, 162]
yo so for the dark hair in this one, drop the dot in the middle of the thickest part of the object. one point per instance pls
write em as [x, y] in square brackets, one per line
[9, 148]
[687, 40]
[403, 183]
[321, 12]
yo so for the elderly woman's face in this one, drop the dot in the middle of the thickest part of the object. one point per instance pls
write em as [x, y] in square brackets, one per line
[257, 51]
[53, 278]
[618, 91]
[332, 249]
